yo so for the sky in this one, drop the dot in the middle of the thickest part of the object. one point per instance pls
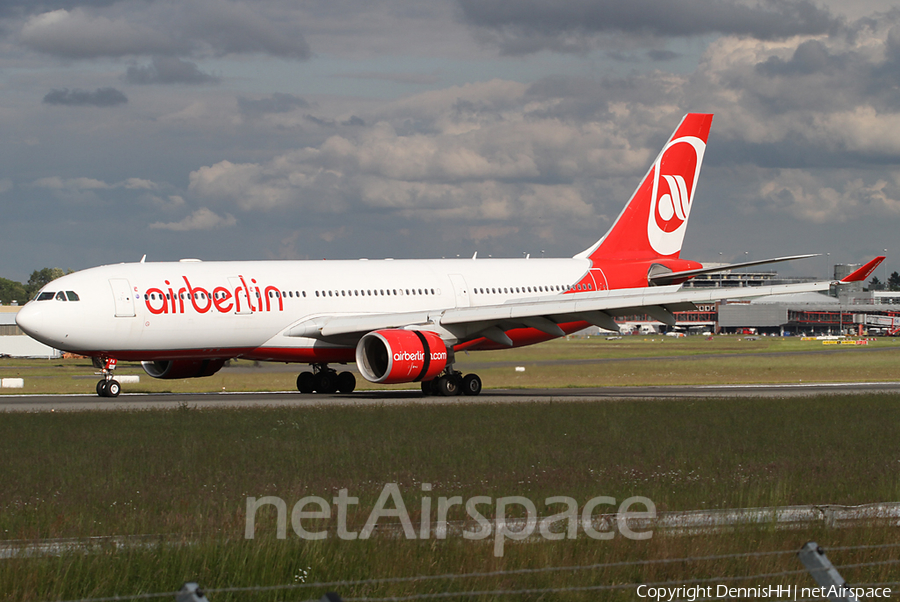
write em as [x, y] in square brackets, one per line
[278, 129]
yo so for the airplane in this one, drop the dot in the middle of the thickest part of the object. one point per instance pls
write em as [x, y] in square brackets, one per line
[399, 321]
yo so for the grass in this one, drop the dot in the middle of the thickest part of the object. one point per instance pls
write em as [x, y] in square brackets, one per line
[629, 361]
[187, 473]
[268, 563]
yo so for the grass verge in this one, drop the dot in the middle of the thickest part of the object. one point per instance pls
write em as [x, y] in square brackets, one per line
[186, 473]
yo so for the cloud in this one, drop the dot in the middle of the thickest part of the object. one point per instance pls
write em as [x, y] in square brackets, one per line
[483, 152]
[191, 27]
[809, 197]
[570, 150]
[101, 97]
[201, 219]
[70, 184]
[139, 184]
[168, 70]
[83, 184]
[398, 78]
[277, 103]
[571, 25]
[79, 34]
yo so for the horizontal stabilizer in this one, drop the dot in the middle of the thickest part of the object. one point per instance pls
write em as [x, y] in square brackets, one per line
[670, 277]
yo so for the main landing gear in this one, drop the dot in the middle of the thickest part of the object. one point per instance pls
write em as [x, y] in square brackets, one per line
[325, 380]
[107, 386]
[452, 382]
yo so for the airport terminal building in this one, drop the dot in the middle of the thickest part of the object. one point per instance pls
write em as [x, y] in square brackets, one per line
[845, 309]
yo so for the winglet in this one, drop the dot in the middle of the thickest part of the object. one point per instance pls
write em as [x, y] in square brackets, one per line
[863, 273]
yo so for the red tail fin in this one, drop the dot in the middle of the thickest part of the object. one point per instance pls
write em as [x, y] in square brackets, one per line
[653, 223]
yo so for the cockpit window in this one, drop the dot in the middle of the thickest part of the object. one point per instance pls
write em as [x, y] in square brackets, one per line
[72, 295]
[60, 296]
[45, 296]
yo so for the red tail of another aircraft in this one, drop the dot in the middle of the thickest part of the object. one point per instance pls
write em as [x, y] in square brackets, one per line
[653, 223]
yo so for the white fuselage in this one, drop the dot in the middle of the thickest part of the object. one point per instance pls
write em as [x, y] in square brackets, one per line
[227, 309]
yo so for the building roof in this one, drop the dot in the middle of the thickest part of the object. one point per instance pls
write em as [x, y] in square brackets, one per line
[797, 299]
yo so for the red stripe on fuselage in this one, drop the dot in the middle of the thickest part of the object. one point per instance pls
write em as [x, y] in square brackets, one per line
[521, 337]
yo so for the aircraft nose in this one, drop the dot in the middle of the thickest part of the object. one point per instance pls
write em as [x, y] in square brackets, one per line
[31, 320]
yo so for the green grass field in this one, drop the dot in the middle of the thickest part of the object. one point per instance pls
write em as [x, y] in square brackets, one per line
[629, 361]
[185, 474]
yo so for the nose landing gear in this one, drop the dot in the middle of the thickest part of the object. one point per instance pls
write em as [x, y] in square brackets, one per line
[107, 386]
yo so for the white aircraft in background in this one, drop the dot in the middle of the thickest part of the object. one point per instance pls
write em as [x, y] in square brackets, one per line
[401, 321]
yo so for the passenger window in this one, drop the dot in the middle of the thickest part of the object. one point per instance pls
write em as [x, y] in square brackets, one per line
[72, 296]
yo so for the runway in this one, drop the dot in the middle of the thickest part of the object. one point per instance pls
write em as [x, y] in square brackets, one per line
[142, 401]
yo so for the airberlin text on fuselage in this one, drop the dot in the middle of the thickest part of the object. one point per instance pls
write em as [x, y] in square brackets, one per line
[222, 300]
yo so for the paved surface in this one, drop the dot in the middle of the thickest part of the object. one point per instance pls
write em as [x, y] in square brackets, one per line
[140, 401]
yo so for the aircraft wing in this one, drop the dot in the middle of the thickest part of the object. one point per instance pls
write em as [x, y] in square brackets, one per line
[490, 321]
[544, 314]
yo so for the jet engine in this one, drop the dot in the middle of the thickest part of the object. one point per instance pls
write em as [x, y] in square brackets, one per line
[400, 356]
[168, 369]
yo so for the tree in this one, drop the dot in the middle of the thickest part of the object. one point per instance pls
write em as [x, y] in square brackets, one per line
[894, 281]
[10, 291]
[39, 278]
[875, 284]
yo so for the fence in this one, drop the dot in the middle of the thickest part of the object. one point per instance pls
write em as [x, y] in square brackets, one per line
[830, 583]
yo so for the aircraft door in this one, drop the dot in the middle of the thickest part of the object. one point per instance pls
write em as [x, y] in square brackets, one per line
[460, 289]
[121, 290]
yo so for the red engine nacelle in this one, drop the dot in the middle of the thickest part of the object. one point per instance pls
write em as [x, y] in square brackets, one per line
[400, 356]
[168, 369]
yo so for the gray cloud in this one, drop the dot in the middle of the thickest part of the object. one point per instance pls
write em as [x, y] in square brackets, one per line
[279, 102]
[662, 55]
[101, 97]
[168, 70]
[568, 25]
[192, 27]
[201, 219]
[20, 8]
[399, 78]
[811, 56]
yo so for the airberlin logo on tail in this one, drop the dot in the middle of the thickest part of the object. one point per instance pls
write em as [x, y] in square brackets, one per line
[675, 176]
